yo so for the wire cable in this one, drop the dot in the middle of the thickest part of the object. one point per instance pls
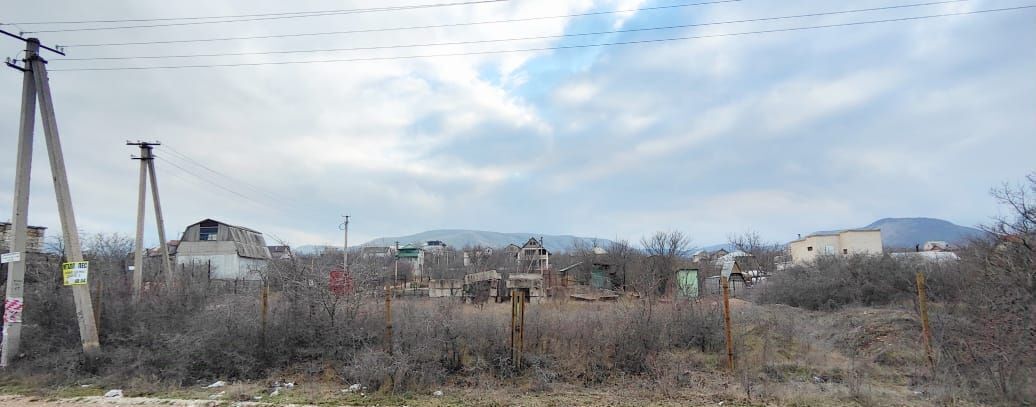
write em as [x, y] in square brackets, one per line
[238, 194]
[556, 48]
[628, 30]
[184, 158]
[419, 27]
[142, 20]
[354, 11]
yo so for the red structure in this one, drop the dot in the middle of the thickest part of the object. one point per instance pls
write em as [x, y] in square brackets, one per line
[340, 282]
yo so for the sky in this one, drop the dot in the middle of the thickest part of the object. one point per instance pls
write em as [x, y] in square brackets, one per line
[780, 133]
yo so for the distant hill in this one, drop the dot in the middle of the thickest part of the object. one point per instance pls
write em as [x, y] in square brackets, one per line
[907, 232]
[313, 249]
[461, 238]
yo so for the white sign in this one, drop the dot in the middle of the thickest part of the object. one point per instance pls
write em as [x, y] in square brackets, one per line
[10, 257]
[75, 273]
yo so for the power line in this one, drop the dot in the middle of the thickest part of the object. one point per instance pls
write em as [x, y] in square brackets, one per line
[556, 48]
[141, 20]
[187, 159]
[281, 17]
[628, 30]
[213, 183]
[511, 20]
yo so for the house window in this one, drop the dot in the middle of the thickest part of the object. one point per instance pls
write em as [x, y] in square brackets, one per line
[829, 249]
[208, 231]
[809, 248]
[845, 251]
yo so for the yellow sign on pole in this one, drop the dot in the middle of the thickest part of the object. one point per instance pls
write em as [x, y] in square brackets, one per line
[75, 273]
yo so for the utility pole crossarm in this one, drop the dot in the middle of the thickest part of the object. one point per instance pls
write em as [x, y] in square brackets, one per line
[28, 40]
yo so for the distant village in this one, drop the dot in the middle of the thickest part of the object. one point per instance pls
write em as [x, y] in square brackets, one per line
[237, 254]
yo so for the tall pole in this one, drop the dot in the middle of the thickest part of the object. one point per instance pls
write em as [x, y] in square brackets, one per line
[138, 255]
[726, 322]
[14, 302]
[345, 245]
[395, 266]
[73, 250]
[147, 170]
[163, 249]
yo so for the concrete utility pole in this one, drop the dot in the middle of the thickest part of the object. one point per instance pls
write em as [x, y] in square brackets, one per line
[14, 302]
[37, 84]
[395, 266]
[345, 245]
[147, 168]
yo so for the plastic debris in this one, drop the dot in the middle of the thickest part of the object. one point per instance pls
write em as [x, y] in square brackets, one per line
[438, 393]
[353, 388]
[113, 394]
[218, 383]
[275, 392]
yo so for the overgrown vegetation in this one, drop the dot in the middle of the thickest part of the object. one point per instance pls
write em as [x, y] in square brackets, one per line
[842, 328]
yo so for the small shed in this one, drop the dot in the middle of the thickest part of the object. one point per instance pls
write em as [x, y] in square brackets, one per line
[687, 283]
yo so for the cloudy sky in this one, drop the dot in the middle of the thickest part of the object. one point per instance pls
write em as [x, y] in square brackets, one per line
[780, 132]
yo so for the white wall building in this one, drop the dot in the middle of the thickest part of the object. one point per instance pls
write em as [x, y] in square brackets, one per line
[837, 243]
[232, 252]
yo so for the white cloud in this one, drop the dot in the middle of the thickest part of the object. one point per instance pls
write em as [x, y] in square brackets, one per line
[761, 124]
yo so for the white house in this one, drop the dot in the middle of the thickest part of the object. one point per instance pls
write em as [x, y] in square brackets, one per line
[838, 243]
[232, 252]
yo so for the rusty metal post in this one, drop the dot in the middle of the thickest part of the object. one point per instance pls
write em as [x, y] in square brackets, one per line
[926, 333]
[517, 326]
[726, 322]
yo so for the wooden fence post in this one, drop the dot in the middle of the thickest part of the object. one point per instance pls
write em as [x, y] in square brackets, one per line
[726, 322]
[926, 333]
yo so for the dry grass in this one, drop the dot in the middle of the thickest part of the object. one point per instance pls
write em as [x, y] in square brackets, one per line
[624, 353]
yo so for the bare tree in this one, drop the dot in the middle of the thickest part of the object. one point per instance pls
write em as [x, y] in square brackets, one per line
[664, 249]
[991, 335]
[762, 256]
[621, 255]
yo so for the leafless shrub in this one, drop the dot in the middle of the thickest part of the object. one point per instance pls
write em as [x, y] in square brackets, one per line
[832, 282]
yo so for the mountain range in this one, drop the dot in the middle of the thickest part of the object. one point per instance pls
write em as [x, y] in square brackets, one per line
[895, 233]
[465, 238]
[907, 232]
